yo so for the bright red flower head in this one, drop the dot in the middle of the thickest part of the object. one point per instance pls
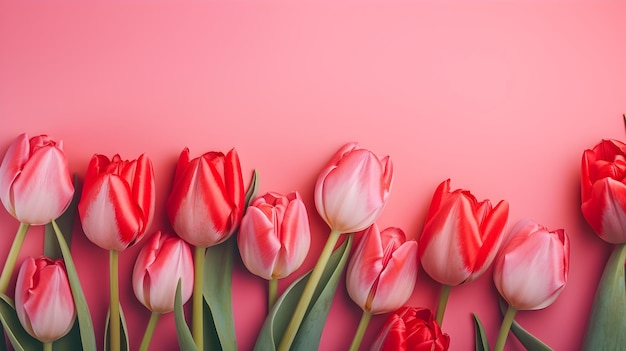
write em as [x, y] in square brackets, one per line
[411, 329]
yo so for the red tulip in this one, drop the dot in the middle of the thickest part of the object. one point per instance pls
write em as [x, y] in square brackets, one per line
[382, 271]
[207, 201]
[531, 271]
[35, 183]
[411, 329]
[353, 188]
[118, 201]
[274, 237]
[465, 232]
[43, 299]
[603, 174]
[163, 260]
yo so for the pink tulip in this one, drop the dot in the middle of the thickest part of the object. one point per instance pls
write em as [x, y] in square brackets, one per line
[461, 236]
[207, 201]
[531, 271]
[603, 174]
[43, 299]
[274, 237]
[35, 183]
[411, 329]
[353, 188]
[163, 260]
[382, 271]
[118, 201]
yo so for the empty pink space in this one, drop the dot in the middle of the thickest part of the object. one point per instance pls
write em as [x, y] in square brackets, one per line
[502, 97]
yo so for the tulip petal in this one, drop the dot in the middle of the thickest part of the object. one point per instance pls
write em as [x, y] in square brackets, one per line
[258, 244]
[295, 236]
[397, 280]
[605, 210]
[10, 168]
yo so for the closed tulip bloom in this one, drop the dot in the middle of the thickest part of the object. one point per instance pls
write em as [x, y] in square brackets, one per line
[603, 184]
[461, 236]
[531, 271]
[206, 203]
[382, 271]
[35, 183]
[411, 329]
[353, 188]
[118, 201]
[163, 260]
[274, 237]
[43, 299]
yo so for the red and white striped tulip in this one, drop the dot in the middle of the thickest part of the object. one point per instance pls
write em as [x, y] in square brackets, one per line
[352, 190]
[162, 262]
[467, 233]
[207, 200]
[118, 201]
[531, 270]
[43, 299]
[275, 236]
[382, 271]
[35, 183]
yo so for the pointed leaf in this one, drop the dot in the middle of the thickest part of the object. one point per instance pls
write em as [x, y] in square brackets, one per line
[530, 342]
[18, 337]
[252, 188]
[65, 222]
[607, 323]
[123, 332]
[211, 339]
[309, 334]
[479, 335]
[185, 339]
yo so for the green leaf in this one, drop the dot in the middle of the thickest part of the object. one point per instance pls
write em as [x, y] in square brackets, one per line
[70, 342]
[252, 188]
[19, 338]
[309, 334]
[88, 339]
[211, 339]
[530, 342]
[185, 339]
[65, 222]
[606, 329]
[479, 335]
[123, 332]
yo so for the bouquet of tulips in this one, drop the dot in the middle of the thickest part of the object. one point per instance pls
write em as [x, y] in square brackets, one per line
[214, 217]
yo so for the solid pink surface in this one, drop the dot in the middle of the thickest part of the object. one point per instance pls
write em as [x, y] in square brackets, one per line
[500, 96]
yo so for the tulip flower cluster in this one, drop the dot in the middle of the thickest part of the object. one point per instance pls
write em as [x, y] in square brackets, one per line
[213, 216]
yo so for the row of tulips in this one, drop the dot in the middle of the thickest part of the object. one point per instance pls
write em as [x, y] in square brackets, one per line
[209, 204]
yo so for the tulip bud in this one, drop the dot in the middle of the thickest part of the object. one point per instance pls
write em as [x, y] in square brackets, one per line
[35, 183]
[411, 328]
[531, 271]
[163, 260]
[466, 232]
[382, 271]
[117, 203]
[274, 237]
[207, 200]
[353, 188]
[43, 299]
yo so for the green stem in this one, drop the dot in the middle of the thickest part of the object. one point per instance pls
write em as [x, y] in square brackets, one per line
[505, 327]
[7, 271]
[147, 336]
[47, 346]
[272, 292]
[360, 331]
[197, 298]
[443, 301]
[307, 293]
[114, 321]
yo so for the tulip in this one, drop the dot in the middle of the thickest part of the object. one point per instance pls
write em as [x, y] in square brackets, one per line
[603, 190]
[162, 262]
[411, 329]
[466, 232]
[43, 299]
[207, 201]
[35, 188]
[531, 270]
[274, 237]
[381, 274]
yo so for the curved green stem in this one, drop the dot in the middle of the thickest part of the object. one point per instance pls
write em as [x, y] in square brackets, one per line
[47, 346]
[7, 271]
[307, 293]
[147, 336]
[360, 331]
[505, 327]
[272, 292]
[443, 301]
[197, 329]
[114, 321]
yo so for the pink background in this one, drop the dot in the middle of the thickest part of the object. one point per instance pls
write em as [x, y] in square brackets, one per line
[500, 96]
